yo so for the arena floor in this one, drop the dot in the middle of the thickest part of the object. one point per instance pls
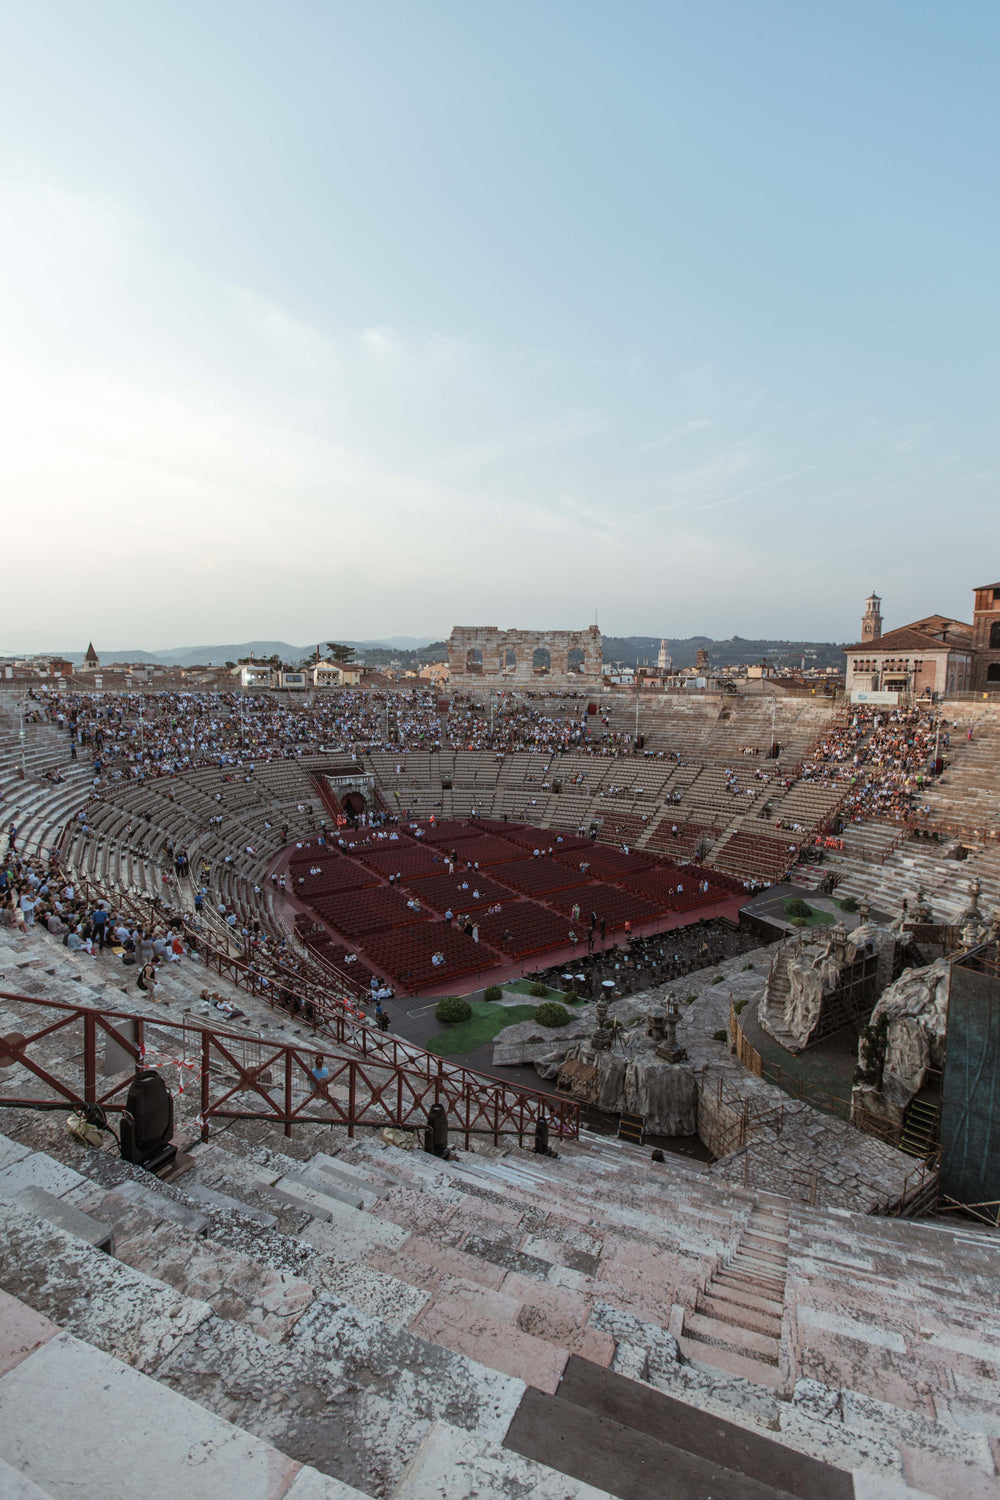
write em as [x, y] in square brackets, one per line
[531, 896]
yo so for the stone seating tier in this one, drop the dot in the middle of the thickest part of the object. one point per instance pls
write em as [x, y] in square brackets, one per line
[281, 1280]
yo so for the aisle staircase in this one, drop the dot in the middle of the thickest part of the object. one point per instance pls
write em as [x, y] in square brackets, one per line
[736, 1325]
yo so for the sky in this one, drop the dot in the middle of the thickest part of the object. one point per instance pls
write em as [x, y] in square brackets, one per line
[326, 320]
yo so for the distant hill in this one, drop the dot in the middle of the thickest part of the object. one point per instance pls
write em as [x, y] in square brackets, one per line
[411, 651]
[399, 646]
[736, 652]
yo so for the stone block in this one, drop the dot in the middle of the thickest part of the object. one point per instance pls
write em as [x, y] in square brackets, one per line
[112, 1422]
[11, 1151]
[212, 1199]
[22, 1331]
[65, 1216]
[351, 1234]
[15, 1486]
[90, 1294]
[41, 1171]
[311, 1188]
[136, 1195]
[310, 1484]
[452, 1465]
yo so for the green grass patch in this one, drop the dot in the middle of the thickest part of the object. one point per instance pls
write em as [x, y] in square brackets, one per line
[801, 914]
[484, 1024]
[523, 987]
[819, 918]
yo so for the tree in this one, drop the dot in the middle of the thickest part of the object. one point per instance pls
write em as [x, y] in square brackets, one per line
[339, 652]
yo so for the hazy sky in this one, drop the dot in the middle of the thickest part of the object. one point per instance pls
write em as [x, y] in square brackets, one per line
[358, 319]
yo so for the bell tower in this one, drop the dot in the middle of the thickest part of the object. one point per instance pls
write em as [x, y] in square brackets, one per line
[871, 624]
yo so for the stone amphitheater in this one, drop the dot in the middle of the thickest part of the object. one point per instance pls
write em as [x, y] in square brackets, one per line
[309, 1305]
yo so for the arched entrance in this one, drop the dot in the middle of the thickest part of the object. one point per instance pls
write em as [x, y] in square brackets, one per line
[353, 804]
[541, 662]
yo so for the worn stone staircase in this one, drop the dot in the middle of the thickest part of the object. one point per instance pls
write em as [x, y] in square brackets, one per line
[736, 1325]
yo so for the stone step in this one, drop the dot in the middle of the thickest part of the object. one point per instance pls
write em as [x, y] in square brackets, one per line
[452, 1464]
[768, 1269]
[739, 1314]
[735, 1445]
[384, 1384]
[774, 1239]
[731, 1362]
[764, 1251]
[762, 1286]
[727, 1335]
[744, 1296]
[206, 1455]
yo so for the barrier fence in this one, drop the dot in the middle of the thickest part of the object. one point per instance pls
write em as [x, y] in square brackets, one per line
[233, 1077]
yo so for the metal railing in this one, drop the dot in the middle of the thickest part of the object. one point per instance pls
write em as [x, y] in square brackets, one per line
[234, 1077]
[330, 1016]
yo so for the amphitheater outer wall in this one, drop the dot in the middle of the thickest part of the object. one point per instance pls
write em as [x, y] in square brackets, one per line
[495, 646]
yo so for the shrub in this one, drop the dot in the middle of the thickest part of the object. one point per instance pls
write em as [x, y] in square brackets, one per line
[690, 999]
[717, 979]
[849, 903]
[493, 992]
[739, 1007]
[451, 1009]
[571, 997]
[798, 922]
[720, 1036]
[746, 967]
[796, 907]
[552, 1014]
[538, 991]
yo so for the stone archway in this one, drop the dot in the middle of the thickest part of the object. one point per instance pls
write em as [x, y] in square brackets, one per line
[541, 661]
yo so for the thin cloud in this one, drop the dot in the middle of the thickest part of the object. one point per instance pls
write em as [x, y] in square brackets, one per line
[755, 489]
[673, 437]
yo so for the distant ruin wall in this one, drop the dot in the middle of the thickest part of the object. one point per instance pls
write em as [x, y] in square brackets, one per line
[482, 655]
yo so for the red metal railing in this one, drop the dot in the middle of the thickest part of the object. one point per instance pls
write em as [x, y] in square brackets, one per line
[235, 1077]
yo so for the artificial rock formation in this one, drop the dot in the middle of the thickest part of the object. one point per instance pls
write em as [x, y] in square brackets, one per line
[916, 1010]
[810, 977]
[812, 973]
[665, 1094]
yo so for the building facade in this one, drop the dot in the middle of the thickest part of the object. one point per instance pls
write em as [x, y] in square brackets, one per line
[934, 655]
[986, 638]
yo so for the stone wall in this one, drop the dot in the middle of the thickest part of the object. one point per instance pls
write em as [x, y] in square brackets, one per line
[507, 656]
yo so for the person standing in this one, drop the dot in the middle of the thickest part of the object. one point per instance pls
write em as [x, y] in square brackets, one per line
[99, 922]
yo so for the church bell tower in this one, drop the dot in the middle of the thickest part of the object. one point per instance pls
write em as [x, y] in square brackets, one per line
[871, 624]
